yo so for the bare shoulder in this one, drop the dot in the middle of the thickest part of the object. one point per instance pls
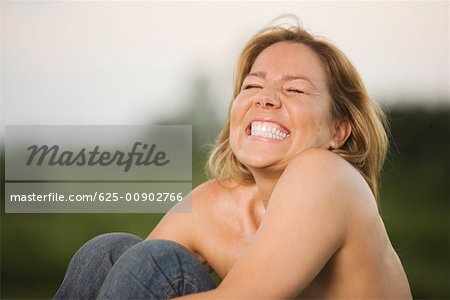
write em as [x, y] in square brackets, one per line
[325, 181]
[331, 173]
[211, 192]
[320, 187]
[188, 222]
[319, 161]
[213, 196]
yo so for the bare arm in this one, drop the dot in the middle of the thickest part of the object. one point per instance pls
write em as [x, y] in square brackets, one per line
[184, 226]
[194, 224]
[305, 224]
[174, 226]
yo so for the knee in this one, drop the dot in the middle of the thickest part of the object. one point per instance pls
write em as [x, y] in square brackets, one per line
[168, 257]
[114, 238]
[161, 248]
[111, 245]
[168, 267]
[163, 253]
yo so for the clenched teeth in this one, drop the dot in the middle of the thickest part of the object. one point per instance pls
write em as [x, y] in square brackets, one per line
[268, 130]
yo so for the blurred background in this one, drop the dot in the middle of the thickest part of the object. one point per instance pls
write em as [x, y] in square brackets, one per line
[143, 63]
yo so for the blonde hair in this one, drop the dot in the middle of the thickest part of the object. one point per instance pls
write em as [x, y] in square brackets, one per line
[367, 144]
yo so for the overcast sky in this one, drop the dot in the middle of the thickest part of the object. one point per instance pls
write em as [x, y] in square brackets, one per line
[130, 62]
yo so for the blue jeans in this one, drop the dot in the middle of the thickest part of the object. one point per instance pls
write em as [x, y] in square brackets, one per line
[123, 266]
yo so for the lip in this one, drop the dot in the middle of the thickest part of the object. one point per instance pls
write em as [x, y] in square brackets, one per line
[268, 120]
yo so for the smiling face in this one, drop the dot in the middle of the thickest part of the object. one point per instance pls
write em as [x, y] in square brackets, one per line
[283, 108]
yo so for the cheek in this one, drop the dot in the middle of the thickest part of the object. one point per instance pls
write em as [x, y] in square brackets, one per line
[236, 116]
[237, 106]
[234, 112]
[306, 117]
[323, 126]
[237, 113]
[313, 123]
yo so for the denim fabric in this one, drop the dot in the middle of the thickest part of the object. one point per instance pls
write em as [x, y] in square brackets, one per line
[122, 266]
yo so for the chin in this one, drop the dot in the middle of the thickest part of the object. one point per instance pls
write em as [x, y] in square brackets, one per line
[256, 154]
[257, 162]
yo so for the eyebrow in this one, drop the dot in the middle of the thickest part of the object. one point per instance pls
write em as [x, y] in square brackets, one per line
[262, 75]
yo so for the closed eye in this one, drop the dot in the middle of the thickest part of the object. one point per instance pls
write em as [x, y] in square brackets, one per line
[251, 86]
[297, 91]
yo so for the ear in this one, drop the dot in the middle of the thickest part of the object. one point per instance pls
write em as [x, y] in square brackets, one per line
[342, 130]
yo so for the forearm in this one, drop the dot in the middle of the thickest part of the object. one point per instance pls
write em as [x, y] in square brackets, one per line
[222, 292]
[213, 294]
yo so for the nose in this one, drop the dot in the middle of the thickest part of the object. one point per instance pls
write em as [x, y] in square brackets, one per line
[268, 98]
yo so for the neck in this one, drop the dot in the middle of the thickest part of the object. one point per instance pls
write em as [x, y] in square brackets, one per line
[265, 182]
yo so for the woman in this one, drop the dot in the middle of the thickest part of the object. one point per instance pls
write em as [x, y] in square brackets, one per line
[292, 210]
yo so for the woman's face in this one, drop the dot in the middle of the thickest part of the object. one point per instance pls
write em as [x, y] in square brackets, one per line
[283, 108]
